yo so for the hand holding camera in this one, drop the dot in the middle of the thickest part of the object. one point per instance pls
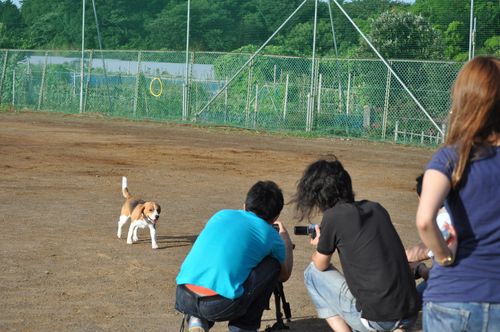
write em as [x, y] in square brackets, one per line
[312, 230]
[278, 226]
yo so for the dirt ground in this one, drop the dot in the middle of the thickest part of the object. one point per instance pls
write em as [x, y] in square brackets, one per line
[64, 269]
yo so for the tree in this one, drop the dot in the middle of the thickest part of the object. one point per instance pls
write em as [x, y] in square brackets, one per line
[488, 23]
[52, 24]
[444, 13]
[226, 25]
[492, 46]
[210, 27]
[261, 18]
[4, 40]
[365, 9]
[11, 25]
[403, 35]
[300, 39]
[456, 43]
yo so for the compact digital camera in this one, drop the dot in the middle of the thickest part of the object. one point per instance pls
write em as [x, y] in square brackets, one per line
[305, 230]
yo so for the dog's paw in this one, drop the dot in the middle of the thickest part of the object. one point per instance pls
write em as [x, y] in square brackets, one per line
[130, 242]
[118, 235]
[135, 239]
[154, 246]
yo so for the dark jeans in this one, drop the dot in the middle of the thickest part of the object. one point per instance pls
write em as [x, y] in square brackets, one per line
[244, 312]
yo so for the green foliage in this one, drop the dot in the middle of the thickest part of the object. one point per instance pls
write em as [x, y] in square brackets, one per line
[487, 15]
[227, 25]
[365, 9]
[299, 40]
[404, 35]
[442, 12]
[452, 18]
[492, 46]
[11, 25]
[454, 38]
[4, 40]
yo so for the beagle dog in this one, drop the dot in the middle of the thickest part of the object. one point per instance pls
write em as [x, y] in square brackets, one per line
[141, 215]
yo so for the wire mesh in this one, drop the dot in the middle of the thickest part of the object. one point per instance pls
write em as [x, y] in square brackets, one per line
[341, 97]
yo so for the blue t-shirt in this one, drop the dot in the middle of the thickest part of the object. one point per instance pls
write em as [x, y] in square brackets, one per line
[232, 243]
[475, 213]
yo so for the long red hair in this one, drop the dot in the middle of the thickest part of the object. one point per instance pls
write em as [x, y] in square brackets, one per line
[475, 111]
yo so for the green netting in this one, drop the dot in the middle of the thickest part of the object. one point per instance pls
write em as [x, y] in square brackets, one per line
[346, 97]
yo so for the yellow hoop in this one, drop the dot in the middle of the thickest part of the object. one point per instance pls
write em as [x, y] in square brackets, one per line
[151, 87]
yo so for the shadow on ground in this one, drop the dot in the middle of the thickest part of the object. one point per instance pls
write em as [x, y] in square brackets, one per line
[299, 324]
[166, 242]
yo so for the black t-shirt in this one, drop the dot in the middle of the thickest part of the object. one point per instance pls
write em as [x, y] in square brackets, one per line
[373, 259]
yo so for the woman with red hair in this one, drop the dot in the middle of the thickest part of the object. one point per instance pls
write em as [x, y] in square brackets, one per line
[463, 292]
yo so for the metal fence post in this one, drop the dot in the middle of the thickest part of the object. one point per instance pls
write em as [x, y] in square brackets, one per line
[309, 111]
[185, 88]
[225, 103]
[249, 86]
[256, 105]
[274, 75]
[4, 68]
[348, 99]
[184, 101]
[386, 101]
[44, 70]
[190, 78]
[88, 81]
[319, 92]
[13, 87]
[285, 101]
[137, 78]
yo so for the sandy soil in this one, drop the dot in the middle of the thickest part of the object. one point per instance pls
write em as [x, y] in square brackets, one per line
[64, 269]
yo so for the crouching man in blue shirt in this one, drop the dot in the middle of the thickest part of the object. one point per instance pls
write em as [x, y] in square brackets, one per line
[236, 263]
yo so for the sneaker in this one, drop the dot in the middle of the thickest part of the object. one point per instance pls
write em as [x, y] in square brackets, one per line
[196, 324]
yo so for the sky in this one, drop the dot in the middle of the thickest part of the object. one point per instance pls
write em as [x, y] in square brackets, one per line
[16, 2]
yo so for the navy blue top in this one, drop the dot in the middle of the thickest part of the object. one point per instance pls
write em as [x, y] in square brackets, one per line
[475, 212]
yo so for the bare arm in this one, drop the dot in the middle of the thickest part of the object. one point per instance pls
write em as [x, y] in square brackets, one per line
[321, 261]
[287, 266]
[435, 188]
[417, 253]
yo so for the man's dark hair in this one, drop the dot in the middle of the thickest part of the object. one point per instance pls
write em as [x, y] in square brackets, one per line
[265, 199]
[323, 184]
[419, 180]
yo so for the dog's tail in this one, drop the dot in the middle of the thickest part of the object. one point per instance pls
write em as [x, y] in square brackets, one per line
[125, 191]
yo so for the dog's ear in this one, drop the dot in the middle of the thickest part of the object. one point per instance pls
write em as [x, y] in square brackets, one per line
[136, 214]
[158, 208]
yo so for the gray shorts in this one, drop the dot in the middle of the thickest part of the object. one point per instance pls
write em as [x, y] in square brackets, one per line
[331, 297]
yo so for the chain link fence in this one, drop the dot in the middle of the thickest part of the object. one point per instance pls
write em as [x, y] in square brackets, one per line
[333, 97]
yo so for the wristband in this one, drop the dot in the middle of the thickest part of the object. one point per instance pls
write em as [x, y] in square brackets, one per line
[447, 261]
